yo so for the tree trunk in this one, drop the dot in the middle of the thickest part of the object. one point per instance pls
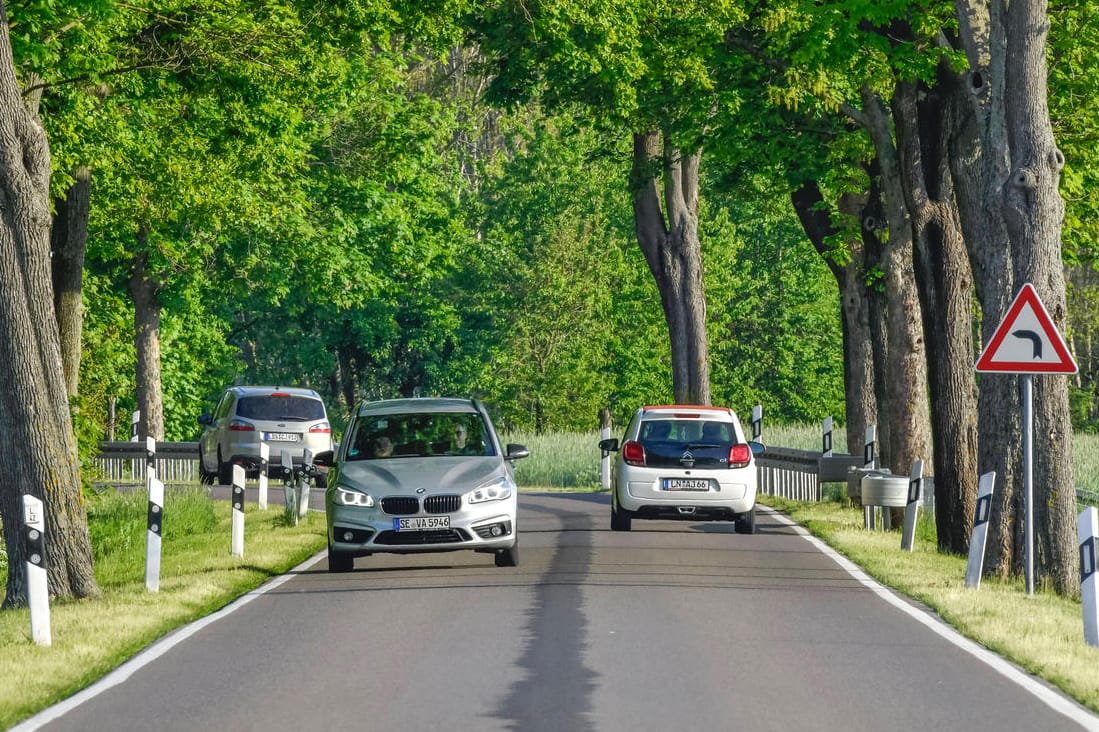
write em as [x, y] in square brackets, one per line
[68, 243]
[858, 356]
[907, 415]
[1012, 215]
[668, 237]
[39, 449]
[150, 401]
[945, 287]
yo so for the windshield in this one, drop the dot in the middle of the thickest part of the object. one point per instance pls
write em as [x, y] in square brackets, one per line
[418, 435]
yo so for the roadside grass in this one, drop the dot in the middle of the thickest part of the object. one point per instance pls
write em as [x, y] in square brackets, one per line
[198, 576]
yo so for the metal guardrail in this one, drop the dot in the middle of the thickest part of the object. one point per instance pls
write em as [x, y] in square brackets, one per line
[789, 473]
[124, 462]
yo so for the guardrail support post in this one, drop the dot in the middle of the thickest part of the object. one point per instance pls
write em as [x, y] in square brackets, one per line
[34, 537]
[1088, 530]
[237, 549]
[979, 537]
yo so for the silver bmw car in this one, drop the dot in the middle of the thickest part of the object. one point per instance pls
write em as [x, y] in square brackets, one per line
[684, 462]
[421, 475]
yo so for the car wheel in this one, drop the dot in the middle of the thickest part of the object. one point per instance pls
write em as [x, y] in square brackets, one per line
[508, 557]
[205, 477]
[225, 471]
[746, 522]
[338, 562]
[621, 519]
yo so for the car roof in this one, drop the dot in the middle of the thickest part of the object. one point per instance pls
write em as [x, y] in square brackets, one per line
[687, 410]
[416, 404]
[262, 390]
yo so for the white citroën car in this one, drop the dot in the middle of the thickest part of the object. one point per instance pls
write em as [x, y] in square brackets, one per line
[684, 462]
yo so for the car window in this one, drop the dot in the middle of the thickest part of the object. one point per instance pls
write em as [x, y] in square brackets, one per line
[276, 407]
[685, 432]
[430, 434]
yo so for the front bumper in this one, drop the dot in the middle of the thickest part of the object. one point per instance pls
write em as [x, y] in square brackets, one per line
[358, 531]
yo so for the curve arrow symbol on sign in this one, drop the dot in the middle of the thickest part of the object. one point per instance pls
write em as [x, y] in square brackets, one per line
[1034, 338]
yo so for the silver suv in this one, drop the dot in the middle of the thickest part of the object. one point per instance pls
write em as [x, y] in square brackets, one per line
[286, 418]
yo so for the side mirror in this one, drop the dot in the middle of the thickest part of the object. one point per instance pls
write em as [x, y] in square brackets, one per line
[758, 448]
[514, 452]
[206, 419]
[324, 459]
[609, 445]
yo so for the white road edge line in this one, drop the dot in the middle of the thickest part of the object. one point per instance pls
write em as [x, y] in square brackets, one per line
[153, 652]
[1052, 698]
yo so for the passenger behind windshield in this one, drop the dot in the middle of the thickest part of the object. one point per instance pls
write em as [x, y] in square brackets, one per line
[419, 435]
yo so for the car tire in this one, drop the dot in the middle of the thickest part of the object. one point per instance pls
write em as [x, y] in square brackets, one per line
[621, 519]
[746, 522]
[508, 557]
[205, 477]
[338, 562]
[225, 471]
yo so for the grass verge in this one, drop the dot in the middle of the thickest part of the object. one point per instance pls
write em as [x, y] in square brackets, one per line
[1042, 633]
[198, 577]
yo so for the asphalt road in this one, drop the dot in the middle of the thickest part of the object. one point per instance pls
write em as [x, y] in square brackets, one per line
[673, 626]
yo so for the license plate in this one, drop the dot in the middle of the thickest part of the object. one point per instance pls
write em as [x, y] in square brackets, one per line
[283, 437]
[421, 523]
[686, 484]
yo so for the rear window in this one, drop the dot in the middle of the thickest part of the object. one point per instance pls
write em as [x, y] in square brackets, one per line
[282, 408]
[686, 431]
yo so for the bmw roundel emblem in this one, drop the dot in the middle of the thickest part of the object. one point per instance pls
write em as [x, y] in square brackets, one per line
[421, 491]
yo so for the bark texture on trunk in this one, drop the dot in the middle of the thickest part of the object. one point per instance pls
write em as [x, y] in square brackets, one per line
[665, 201]
[907, 418]
[150, 400]
[858, 356]
[1012, 215]
[945, 287]
[69, 243]
[39, 449]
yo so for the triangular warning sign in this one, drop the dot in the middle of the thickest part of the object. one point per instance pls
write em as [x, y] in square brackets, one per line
[1027, 341]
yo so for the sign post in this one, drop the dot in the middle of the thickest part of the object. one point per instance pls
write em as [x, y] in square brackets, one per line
[1026, 343]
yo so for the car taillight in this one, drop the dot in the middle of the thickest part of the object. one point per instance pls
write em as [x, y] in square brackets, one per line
[739, 456]
[633, 453]
[322, 427]
[239, 425]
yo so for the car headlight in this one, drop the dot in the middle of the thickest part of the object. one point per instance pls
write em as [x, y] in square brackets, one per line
[497, 490]
[347, 497]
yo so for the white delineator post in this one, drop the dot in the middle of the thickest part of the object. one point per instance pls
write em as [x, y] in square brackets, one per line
[979, 537]
[1088, 530]
[826, 437]
[34, 523]
[290, 496]
[757, 423]
[237, 549]
[912, 508]
[303, 495]
[153, 536]
[605, 461]
[264, 458]
[868, 464]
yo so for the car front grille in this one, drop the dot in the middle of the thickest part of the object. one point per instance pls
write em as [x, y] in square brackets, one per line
[401, 505]
[442, 504]
[412, 538]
